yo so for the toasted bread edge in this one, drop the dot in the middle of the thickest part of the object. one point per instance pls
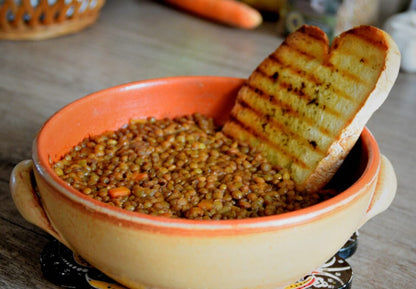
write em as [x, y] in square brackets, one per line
[339, 149]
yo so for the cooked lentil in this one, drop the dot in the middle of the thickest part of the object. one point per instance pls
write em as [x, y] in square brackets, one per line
[183, 167]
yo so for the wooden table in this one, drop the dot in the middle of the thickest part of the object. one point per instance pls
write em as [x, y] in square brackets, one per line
[135, 40]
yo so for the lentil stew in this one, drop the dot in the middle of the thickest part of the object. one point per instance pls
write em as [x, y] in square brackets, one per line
[184, 167]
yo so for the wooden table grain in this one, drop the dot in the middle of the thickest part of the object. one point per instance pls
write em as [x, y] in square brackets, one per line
[136, 40]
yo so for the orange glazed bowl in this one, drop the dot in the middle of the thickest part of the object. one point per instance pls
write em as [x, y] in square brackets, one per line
[144, 251]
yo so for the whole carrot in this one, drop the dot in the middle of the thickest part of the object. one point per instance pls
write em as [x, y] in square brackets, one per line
[230, 12]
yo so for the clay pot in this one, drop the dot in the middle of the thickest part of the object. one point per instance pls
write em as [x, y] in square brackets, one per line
[142, 251]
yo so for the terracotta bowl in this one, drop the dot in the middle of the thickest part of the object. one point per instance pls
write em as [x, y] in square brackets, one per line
[142, 251]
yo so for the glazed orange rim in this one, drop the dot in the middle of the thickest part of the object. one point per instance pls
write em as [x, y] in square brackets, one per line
[100, 209]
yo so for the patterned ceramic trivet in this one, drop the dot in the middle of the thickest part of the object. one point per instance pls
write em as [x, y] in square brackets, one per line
[350, 247]
[68, 270]
[336, 273]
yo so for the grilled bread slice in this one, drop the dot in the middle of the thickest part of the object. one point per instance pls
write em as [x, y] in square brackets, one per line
[306, 104]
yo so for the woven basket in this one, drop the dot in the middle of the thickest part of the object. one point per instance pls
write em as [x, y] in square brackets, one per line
[42, 19]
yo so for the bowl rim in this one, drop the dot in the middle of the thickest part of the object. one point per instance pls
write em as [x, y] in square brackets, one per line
[188, 226]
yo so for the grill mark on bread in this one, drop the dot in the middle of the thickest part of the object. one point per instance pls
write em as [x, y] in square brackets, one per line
[266, 119]
[349, 76]
[248, 129]
[316, 35]
[287, 107]
[299, 92]
[297, 49]
[312, 78]
[277, 57]
[367, 34]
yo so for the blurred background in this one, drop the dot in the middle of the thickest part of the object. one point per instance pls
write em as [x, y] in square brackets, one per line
[43, 19]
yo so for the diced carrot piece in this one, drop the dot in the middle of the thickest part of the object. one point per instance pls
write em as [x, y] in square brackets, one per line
[119, 192]
[136, 176]
[205, 205]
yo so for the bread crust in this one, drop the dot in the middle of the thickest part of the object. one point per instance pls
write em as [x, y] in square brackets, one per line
[340, 148]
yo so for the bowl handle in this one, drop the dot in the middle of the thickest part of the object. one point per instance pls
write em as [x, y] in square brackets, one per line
[28, 201]
[385, 190]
